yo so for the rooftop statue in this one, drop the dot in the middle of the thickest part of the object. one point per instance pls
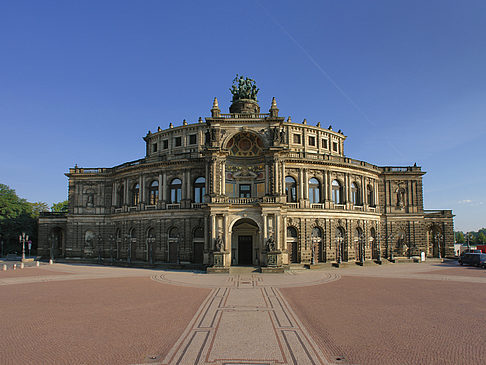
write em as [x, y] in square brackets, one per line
[244, 88]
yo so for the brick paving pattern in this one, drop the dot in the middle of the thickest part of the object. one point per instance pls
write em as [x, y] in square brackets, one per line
[392, 314]
[373, 320]
[103, 321]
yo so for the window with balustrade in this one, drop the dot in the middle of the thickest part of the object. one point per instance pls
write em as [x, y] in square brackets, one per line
[199, 189]
[337, 192]
[291, 189]
[154, 192]
[355, 194]
[314, 191]
[175, 191]
[135, 194]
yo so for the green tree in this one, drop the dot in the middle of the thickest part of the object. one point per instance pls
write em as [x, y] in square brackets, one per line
[37, 208]
[16, 216]
[481, 238]
[460, 237]
[60, 207]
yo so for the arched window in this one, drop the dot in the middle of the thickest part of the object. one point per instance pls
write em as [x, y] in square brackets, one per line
[371, 199]
[135, 194]
[154, 192]
[290, 189]
[121, 195]
[291, 232]
[175, 190]
[316, 232]
[355, 194]
[199, 189]
[337, 193]
[314, 191]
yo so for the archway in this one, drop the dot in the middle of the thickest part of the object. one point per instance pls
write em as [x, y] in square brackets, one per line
[293, 245]
[245, 243]
[56, 244]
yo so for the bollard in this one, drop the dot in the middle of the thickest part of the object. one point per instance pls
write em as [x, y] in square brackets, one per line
[4, 267]
[50, 262]
[37, 264]
[15, 267]
[22, 265]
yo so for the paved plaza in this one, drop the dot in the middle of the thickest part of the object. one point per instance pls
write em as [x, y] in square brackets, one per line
[428, 313]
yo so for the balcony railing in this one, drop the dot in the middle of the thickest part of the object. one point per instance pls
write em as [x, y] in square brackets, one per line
[244, 116]
[173, 206]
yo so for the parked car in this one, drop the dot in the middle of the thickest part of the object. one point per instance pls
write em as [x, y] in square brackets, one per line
[474, 259]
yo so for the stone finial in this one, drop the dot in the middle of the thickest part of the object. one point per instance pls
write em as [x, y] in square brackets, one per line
[318, 124]
[215, 112]
[159, 129]
[330, 127]
[304, 121]
[200, 120]
[171, 125]
[289, 120]
[273, 109]
[339, 131]
[184, 122]
[149, 133]
[274, 103]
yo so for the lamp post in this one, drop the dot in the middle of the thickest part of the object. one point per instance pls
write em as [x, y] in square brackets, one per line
[339, 240]
[379, 248]
[100, 243]
[390, 238]
[129, 247]
[111, 248]
[23, 238]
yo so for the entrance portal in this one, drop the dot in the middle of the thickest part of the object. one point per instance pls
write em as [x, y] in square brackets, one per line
[245, 246]
[245, 250]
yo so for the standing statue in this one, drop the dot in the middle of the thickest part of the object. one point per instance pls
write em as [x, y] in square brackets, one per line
[219, 244]
[270, 244]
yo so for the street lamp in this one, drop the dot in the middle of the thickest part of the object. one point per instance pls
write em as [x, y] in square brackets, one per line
[100, 243]
[339, 240]
[379, 248]
[23, 238]
[111, 247]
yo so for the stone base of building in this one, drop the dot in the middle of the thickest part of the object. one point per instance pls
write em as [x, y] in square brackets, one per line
[217, 270]
[272, 270]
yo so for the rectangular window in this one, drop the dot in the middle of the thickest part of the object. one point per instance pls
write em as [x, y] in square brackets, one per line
[324, 143]
[192, 139]
[297, 138]
[178, 141]
[245, 191]
[154, 147]
[165, 144]
[335, 146]
[312, 141]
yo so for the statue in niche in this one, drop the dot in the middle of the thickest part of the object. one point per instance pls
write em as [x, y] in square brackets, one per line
[90, 200]
[270, 244]
[219, 244]
[282, 135]
[400, 196]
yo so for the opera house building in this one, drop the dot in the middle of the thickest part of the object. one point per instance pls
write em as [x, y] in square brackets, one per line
[245, 188]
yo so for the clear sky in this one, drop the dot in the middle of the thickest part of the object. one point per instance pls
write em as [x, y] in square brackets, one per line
[83, 81]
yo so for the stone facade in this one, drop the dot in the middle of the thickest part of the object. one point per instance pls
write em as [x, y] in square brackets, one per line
[245, 188]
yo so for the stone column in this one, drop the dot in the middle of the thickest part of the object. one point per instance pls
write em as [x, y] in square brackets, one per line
[114, 194]
[164, 186]
[301, 185]
[267, 180]
[127, 188]
[213, 232]
[160, 186]
[223, 177]
[282, 191]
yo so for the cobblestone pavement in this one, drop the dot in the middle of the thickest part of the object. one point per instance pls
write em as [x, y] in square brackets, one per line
[390, 314]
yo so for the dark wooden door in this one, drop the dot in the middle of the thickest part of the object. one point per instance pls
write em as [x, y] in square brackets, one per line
[173, 252]
[198, 252]
[245, 250]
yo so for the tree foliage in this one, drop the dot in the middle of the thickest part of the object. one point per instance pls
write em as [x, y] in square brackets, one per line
[17, 215]
[460, 237]
[60, 207]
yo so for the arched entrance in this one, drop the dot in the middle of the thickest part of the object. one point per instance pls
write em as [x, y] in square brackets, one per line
[56, 244]
[293, 245]
[245, 243]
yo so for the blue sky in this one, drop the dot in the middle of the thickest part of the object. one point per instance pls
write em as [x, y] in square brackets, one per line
[83, 81]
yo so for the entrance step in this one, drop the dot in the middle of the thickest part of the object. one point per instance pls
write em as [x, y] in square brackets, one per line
[242, 270]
